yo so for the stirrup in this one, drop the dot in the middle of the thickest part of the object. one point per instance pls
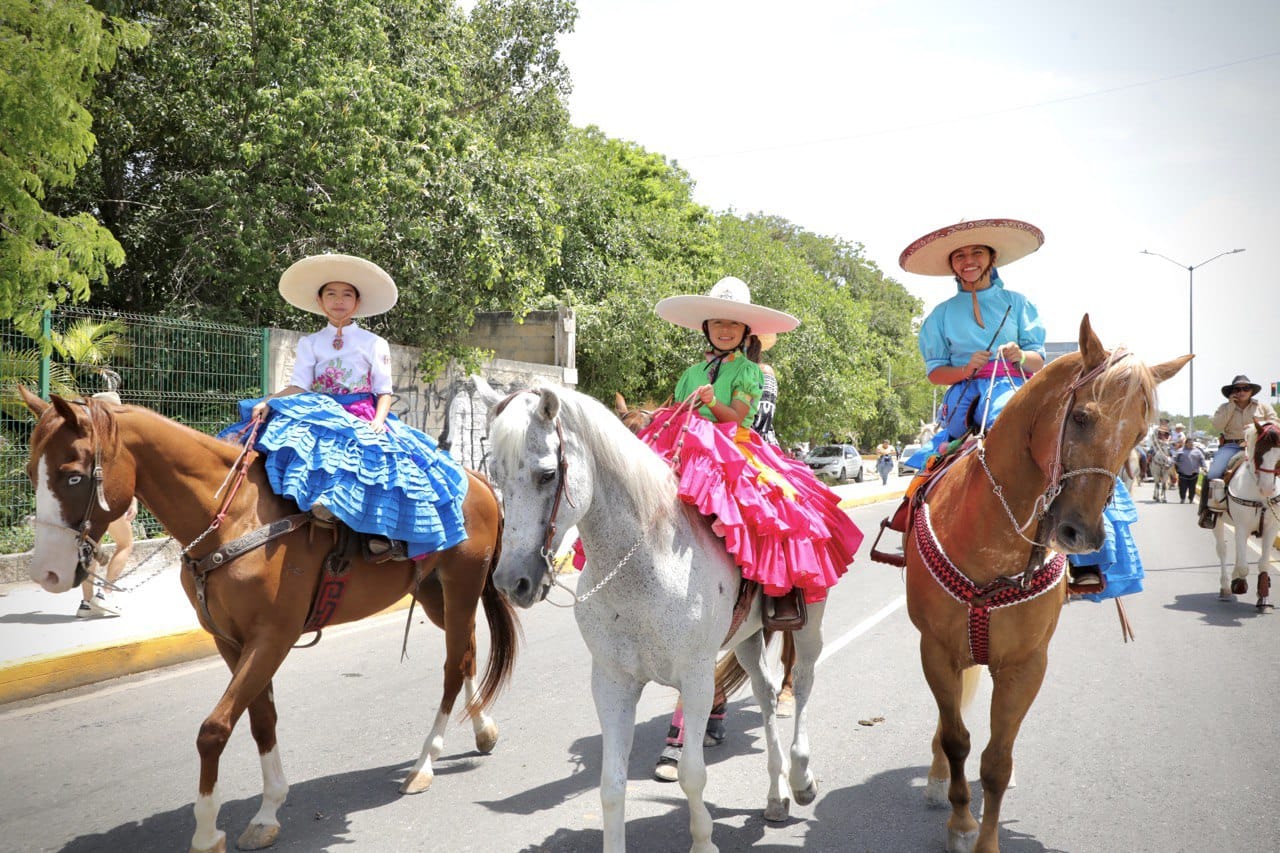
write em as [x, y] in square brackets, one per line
[794, 623]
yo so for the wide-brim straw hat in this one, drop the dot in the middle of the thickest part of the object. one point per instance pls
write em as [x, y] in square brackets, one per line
[300, 284]
[1241, 380]
[767, 340]
[729, 299]
[1011, 239]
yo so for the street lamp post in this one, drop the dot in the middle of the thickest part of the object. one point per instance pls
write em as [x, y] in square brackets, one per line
[1191, 309]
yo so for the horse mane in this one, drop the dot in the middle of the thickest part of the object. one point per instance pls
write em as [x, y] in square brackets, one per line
[645, 476]
[1124, 380]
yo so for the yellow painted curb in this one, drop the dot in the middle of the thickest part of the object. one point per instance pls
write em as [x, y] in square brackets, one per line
[850, 503]
[90, 664]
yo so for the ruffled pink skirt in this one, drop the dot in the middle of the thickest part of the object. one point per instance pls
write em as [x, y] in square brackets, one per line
[783, 527]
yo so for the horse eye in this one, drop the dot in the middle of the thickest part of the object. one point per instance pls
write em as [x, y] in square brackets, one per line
[546, 477]
[1080, 418]
[74, 480]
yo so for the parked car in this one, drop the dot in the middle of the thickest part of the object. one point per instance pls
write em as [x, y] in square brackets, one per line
[838, 461]
[907, 452]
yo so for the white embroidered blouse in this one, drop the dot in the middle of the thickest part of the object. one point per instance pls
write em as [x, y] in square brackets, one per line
[362, 365]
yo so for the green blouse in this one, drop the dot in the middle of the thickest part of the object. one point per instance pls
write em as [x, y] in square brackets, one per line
[740, 378]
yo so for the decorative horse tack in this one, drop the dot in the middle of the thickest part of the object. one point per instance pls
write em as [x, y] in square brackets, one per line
[1001, 592]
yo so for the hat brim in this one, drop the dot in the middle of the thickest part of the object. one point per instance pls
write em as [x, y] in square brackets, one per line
[1012, 239]
[300, 284]
[1226, 389]
[691, 311]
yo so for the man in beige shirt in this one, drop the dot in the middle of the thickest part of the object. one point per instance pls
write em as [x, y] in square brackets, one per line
[1231, 418]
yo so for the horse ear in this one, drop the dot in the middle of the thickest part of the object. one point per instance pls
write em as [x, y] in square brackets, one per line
[34, 403]
[1091, 349]
[1168, 369]
[619, 403]
[670, 400]
[64, 408]
[487, 395]
[548, 403]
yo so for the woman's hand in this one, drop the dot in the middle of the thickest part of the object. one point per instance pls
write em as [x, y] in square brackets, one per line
[978, 360]
[378, 425]
[260, 410]
[707, 395]
[1011, 352]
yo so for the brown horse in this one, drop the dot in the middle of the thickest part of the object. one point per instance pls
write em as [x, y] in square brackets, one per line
[88, 459]
[980, 587]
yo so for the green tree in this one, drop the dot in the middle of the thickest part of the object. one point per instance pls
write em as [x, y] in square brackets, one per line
[50, 55]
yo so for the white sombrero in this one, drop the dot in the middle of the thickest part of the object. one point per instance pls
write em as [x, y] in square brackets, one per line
[729, 299]
[1010, 238]
[301, 283]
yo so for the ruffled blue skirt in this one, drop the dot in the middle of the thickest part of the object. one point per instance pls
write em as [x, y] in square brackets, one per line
[397, 484]
[1118, 558]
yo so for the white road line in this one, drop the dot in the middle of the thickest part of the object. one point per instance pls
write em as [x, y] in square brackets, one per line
[861, 628]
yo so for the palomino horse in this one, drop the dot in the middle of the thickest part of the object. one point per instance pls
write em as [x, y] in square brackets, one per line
[1253, 504]
[660, 590]
[88, 459]
[1052, 457]
[1160, 464]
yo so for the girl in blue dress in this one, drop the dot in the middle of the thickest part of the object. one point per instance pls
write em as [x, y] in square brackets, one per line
[984, 343]
[331, 442]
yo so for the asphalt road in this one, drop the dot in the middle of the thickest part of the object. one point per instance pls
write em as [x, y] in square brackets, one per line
[1164, 744]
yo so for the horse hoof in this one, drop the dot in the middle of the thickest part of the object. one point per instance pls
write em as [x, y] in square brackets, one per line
[777, 810]
[219, 846]
[961, 842]
[807, 795]
[1224, 594]
[1239, 586]
[257, 836]
[935, 793]
[1265, 605]
[417, 783]
[487, 738]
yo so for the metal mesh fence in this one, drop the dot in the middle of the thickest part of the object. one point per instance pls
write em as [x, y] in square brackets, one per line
[190, 371]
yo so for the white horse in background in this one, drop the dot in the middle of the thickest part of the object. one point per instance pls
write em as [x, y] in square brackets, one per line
[1160, 465]
[927, 432]
[660, 590]
[1253, 506]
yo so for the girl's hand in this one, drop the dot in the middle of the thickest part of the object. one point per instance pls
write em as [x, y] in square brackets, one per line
[979, 360]
[260, 411]
[378, 425]
[707, 395]
[1011, 352]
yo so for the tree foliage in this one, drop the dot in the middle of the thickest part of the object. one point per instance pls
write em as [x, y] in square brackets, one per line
[50, 55]
[433, 138]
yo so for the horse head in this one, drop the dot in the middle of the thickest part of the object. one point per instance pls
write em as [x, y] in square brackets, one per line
[1082, 414]
[82, 483]
[636, 419]
[1262, 446]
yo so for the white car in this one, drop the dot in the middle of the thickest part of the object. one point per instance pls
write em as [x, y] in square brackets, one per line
[838, 461]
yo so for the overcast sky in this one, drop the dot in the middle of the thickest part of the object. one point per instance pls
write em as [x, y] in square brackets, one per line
[1113, 126]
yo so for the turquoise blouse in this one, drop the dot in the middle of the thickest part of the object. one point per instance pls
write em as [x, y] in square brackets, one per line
[950, 334]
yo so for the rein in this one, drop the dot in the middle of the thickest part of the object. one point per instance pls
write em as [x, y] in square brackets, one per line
[1057, 472]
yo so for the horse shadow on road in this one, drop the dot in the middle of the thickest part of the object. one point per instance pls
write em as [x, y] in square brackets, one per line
[886, 812]
[1219, 614]
[316, 815]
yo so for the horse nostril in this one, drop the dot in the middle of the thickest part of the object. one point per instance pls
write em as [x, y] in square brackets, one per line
[1067, 535]
[522, 588]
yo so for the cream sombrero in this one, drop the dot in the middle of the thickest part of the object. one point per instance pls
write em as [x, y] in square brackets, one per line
[729, 299]
[301, 283]
[1011, 238]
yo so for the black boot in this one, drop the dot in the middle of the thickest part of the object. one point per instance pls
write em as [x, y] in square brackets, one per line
[1208, 518]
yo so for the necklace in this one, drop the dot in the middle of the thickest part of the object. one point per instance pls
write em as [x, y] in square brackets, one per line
[337, 340]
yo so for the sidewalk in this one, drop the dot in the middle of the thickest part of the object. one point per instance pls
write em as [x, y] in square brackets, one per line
[45, 648]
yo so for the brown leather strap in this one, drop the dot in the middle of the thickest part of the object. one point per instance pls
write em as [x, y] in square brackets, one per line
[242, 545]
[741, 607]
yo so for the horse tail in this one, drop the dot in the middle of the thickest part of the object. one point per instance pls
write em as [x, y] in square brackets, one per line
[504, 633]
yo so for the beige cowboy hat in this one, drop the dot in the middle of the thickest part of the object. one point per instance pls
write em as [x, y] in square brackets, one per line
[300, 284]
[729, 299]
[1010, 238]
[1241, 381]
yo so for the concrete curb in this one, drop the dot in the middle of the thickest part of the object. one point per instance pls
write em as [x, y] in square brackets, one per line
[27, 679]
[850, 503]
